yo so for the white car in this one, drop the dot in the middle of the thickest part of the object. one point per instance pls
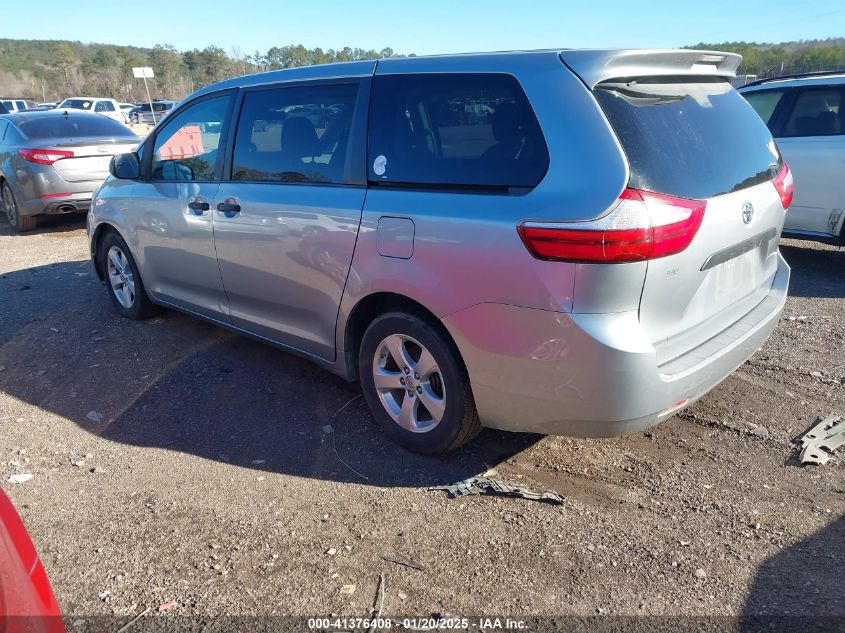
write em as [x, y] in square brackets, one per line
[18, 105]
[125, 108]
[806, 115]
[106, 107]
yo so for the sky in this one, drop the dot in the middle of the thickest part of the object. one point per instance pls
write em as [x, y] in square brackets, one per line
[425, 26]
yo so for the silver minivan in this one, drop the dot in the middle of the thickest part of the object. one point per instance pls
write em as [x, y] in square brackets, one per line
[564, 242]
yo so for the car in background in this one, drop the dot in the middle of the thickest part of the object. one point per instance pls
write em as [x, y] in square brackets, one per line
[132, 115]
[529, 241]
[48, 105]
[806, 115]
[27, 603]
[17, 105]
[126, 108]
[52, 161]
[160, 109]
[106, 107]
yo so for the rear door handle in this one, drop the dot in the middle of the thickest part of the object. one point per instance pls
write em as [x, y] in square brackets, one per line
[229, 209]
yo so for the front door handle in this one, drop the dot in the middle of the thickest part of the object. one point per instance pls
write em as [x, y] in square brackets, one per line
[229, 209]
[198, 207]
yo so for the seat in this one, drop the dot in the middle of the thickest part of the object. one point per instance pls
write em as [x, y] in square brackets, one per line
[299, 139]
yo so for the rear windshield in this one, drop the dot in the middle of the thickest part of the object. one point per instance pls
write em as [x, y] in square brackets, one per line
[77, 104]
[693, 140]
[157, 107]
[83, 125]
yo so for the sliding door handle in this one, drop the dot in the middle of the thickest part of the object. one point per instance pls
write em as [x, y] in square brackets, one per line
[229, 209]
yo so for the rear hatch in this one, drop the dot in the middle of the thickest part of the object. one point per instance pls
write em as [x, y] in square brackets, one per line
[90, 158]
[692, 136]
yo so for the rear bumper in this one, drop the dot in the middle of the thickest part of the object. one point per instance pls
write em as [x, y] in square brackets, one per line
[594, 375]
[41, 189]
[78, 202]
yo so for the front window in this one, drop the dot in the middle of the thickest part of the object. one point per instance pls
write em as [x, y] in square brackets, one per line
[188, 146]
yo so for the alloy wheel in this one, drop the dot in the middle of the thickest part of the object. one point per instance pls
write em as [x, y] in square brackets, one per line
[408, 383]
[120, 277]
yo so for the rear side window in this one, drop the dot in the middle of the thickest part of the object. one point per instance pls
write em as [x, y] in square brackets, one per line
[764, 102]
[817, 112]
[454, 130]
[694, 140]
[296, 134]
[72, 126]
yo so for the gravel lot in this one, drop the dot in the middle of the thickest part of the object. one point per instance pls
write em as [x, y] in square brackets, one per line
[212, 479]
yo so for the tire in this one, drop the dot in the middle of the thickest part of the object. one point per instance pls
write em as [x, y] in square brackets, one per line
[123, 281]
[20, 223]
[444, 390]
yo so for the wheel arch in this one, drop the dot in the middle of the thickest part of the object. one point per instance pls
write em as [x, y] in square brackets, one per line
[103, 229]
[374, 305]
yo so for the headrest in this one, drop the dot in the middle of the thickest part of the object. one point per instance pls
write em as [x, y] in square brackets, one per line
[299, 138]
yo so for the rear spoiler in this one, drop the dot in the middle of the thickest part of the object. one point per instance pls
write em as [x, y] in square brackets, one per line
[596, 66]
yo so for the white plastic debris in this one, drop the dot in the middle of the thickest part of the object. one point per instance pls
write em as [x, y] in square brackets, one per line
[19, 478]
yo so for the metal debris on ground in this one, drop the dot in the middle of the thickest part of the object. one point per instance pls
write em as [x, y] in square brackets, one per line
[482, 485]
[820, 441]
[401, 560]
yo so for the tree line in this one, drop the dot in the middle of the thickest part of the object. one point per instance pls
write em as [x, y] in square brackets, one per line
[48, 70]
[51, 70]
[771, 60]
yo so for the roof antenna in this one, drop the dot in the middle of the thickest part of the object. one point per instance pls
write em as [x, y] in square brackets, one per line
[65, 115]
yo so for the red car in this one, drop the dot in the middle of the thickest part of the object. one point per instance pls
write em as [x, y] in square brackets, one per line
[27, 603]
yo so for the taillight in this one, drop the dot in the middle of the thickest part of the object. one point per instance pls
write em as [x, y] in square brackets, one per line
[44, 156]
[784, 184]
[643, 225]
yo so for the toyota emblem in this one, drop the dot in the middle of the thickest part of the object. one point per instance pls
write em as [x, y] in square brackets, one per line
[747, 212]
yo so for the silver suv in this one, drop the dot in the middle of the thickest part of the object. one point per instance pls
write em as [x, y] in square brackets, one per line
[806, 114]
[577, 242]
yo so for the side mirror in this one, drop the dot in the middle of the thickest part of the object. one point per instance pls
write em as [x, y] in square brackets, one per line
[125, 166]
